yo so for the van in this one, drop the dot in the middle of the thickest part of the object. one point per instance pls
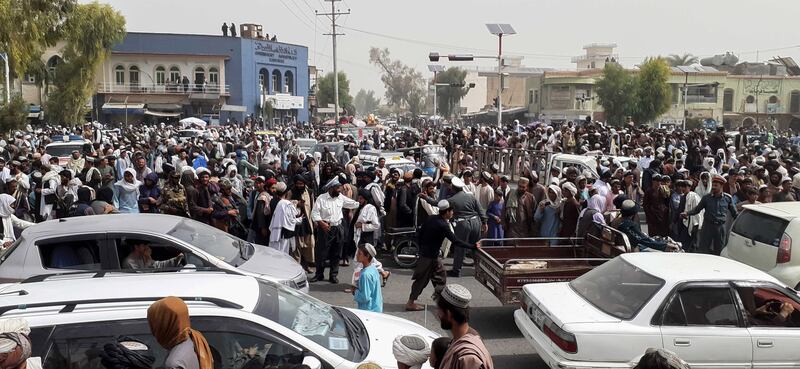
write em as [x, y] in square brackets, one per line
[762, 237]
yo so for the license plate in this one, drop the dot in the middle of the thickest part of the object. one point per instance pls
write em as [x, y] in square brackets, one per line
[537, 316]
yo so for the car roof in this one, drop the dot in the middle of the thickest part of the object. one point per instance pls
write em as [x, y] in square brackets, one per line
[238, 289]
[683, 267]
[137, 223]
[786, 210]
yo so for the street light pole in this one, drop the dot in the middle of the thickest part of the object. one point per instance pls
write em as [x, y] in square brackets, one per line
[500, 81]
[435, 96]
[8, 77]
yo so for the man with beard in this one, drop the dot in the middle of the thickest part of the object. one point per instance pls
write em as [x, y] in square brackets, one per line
[199, 198]
[259, 226]
[470, 222]
[466, 351]
[327, 214]
[304, 232]
[518, 211]
[173, 197]
[89, 175]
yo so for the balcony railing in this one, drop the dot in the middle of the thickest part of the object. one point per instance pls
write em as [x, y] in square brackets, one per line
[165, 89]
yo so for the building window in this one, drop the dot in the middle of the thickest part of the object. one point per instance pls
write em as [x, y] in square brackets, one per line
[52, 63]
[213, 76]
[535, 96]
[794, 102]
[701, 94]
[174, 74]
[276, 81]
[289, 82]
[750, 99]
[161, 75]
[773, 99]
[119, 75]
[133, 75]
[530, 97]
[30, 78]
[199, 76]
[263, 77]
[727, 100]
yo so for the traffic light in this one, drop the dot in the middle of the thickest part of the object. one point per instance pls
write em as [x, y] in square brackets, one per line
[496, 103]
[433, 57]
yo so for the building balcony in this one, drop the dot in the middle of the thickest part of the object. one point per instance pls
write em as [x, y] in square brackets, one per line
[580, 58]
[192, 90]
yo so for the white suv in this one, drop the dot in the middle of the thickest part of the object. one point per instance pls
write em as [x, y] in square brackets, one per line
[762, 237]
[248, 322]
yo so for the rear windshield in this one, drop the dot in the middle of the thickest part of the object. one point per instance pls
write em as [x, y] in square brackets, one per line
[760, 227]
[617, 288]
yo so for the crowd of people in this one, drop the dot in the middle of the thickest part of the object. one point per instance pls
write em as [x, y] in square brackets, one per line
[328, 209]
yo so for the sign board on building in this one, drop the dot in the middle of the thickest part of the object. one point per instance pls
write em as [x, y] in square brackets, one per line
[285, 101]
[276, 53]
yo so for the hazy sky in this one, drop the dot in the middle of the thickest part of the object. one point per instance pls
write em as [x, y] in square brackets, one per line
[549, 32]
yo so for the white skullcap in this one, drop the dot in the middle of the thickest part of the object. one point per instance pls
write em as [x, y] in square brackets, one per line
[457, 295]
[457, 182]
[12, 325]
[443, 205]
[370, 249]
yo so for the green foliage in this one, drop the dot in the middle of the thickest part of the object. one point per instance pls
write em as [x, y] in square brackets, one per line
[325, 94]
[448, 97]
[14, 115]
[365, 102]
[27, 27]
[90, 31]
[404, 85]
[676, 60]
[653, 93]
[615, 91]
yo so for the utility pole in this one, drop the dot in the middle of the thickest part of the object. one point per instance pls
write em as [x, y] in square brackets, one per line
[333, 15]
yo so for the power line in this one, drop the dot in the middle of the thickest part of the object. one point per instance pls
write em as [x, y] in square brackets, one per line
[296, 16]
[333, 15]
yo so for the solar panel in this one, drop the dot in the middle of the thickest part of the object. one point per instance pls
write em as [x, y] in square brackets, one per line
[500, 29]
[435, 68]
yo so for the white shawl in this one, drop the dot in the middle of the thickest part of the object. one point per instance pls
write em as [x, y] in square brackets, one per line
[285, 216]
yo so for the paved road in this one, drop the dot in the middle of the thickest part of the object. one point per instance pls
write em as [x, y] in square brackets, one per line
[494, 321]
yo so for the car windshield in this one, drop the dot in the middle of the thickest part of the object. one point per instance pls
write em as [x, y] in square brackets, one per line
[617, 288]
[61, 151]
[334, 328]
[219, 244]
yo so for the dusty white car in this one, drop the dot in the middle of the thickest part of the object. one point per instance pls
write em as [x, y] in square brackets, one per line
[248, 322]
[712, 311]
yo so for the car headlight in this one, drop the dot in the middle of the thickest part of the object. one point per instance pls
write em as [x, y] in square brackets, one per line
[289, 283]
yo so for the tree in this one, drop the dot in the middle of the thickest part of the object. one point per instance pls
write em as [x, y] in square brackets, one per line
[448, 97]
[615, 91]
[653, 93]
[365, 102]
[325, 92]
[676, 60]
[27, 27]
[14, 115]
[90, 31]
[404, 85]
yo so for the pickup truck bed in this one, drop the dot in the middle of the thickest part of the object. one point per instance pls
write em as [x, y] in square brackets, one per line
[505, 269]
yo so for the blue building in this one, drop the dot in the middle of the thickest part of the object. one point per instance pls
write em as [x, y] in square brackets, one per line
[156, 76]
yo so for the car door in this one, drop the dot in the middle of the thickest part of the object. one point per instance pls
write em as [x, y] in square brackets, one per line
[775, 334]
[703, 326]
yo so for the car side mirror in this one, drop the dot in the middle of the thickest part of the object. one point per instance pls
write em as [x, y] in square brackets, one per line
[312, 362]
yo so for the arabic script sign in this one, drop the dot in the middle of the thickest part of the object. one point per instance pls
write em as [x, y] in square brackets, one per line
[276, 53]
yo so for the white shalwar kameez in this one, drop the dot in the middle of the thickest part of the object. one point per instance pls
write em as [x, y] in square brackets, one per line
[285, 216]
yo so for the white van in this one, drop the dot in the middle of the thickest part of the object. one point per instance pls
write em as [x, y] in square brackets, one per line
[762, 237]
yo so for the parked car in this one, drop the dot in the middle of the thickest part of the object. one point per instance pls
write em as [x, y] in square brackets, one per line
[762, 237]
[248, 322]
[103, 242]
[711, 311]
[63, 146]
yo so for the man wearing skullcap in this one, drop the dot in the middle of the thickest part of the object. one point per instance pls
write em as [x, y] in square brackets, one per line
[630, 227]
[717, 206]
[430, 237]
[466, 351]
[367, 293]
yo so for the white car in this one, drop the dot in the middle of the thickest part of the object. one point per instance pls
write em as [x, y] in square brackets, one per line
[248, 322]
[711, 311]
[762, 237]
